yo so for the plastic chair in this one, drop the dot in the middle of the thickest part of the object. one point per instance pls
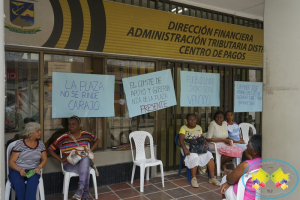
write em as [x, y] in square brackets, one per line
[242, 182]
[245, 127]
[218, 157]
[182, 156]
[140, 159]
[40, 189]
[69, 175]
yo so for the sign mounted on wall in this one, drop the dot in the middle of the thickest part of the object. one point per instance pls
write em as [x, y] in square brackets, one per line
[248, 96]
[84, 95]
[105, 26]
[199, 89]
[149, 92]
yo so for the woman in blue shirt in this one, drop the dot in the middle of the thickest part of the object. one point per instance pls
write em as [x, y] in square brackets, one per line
[234, 133]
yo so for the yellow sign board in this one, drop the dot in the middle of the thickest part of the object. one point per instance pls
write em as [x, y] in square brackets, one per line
[146, 32]
[110, 27]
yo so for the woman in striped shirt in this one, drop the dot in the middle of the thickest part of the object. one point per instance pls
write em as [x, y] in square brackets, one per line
[66, 144]
[27, 154]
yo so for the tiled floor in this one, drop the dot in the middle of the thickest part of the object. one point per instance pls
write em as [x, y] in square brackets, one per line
[176, 187]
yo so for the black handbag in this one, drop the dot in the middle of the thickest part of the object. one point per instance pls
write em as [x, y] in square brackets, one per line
[197, 145]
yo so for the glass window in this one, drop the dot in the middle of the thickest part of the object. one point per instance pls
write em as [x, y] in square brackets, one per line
[54, 127]
[152, 4]
[144, 3]
[21, 91]
[160, 6]
[192, 12]
[167, 7]
[121, 125]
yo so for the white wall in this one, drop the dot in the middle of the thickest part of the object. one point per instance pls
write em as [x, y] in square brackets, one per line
[281, 97]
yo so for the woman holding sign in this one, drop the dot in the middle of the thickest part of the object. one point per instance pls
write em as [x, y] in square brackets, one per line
[66, 143]
[193, 160]
[218, 133]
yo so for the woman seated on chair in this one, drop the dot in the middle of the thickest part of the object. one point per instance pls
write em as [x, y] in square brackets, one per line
[27, 154]
[230, 181]
[66, 143]
[193, 160]
[234, 133]
[218, 133]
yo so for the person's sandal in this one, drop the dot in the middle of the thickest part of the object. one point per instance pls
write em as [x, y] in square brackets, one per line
[194, 182]
[214, 181]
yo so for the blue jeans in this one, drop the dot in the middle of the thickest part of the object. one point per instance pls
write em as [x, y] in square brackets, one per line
[24, 191]
[83, 169]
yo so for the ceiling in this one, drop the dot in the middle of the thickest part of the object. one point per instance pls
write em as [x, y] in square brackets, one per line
[246, 8]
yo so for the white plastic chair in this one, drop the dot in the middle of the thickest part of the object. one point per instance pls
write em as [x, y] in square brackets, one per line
[218, 157]
[245, 127]
[40, 189]
[139, 138]
[69, 175]
[242, 183]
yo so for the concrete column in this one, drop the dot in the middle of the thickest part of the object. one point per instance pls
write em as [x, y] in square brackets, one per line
[2, 102]
[281, 97]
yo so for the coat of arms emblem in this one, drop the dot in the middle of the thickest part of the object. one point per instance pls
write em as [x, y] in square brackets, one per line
[21, 13]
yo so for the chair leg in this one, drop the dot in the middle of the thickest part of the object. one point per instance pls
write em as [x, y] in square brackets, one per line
[188, 174]
[238, 161]
[218, 158]
[147, 173]
[180, 165]
[133, 171]
[7, 190]
[162, 175]
[66, 186]
[95, 185]
[142, 173]
[41, 189]
[37, 197]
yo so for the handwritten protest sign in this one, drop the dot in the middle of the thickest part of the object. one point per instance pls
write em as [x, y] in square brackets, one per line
[149, 92]
[199, 89]
[84, 95]
[247, 96]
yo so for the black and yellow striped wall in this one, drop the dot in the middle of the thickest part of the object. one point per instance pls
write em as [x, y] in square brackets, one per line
[78, 24]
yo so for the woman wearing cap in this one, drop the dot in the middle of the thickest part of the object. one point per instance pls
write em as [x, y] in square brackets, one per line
[27, 154]
[66, 143]
[229, 184]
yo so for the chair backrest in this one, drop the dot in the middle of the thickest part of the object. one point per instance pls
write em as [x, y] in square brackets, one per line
[8, 152]
[204, 134]
[242, 182]
[139, 138]
[245, 127]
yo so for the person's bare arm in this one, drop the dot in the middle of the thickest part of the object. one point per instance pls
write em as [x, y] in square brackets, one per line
[237, 173]
[54, 155]
[12, 163]
[181, 142]
[95, 144]
[43, 162]
[226, 140]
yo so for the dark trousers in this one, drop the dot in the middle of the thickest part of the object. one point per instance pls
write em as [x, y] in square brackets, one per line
[24, 191]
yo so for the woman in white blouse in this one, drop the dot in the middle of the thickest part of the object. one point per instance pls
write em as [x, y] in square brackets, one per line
[218, 133]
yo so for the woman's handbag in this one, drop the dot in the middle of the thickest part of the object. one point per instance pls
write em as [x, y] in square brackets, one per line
[197, 145]
[80, 152]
